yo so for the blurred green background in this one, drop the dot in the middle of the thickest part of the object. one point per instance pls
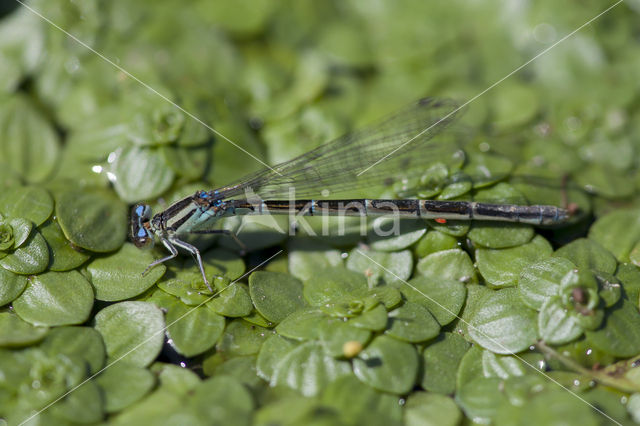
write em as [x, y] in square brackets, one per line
[327, 332]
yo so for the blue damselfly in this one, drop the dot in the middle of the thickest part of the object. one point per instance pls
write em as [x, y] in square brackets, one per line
[337, 167]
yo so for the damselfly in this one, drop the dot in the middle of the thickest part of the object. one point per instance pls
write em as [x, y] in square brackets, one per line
[402, 147]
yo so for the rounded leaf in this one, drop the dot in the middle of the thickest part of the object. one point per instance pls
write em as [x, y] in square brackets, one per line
[501, 268]
[193, 330]
[308, 369]
[232, 301]
[380, 266]
[11, 285]
[141, 174]
[272, 353]
[333, 284]
[405, 233]
[454, 264]
[440, 362]
[443, 297]
[55, 298]
[77, 342]
[557, 325]
[388, 365]
[588, 254]
[96, 220]
[308, 256]
[425, 408]
[118, 276]
[16, 332]
[132, 331]
[541, 281]
[242, 338]
[63, 255]
[28, 202]
[412, 322]
[222, 400]
[275, 295]
[620, 334]
[358, 403]
[618, 232]
[122, 384]
[31, 258]
[28, 142]
[502, 323]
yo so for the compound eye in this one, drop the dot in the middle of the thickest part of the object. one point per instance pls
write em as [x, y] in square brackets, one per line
[141, 234]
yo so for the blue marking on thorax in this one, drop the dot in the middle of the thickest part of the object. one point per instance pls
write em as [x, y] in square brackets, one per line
[139, 210]
[142, 232]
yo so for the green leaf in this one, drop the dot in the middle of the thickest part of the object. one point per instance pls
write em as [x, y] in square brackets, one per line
[453, 264]
[241, 338]
[331, 284]
[31, 258]
[16, 332]
[177, 379]
[242, 368]
[336, 334]
[141, 174]
[588, 254]
[21, 230]
[28, 142]
[193, 330]
[443, 297]
[123, 384]
[132, 331]
[541, 281]
[514, 104]
[295, 409]
[77, 343]
[96, 220]
[358, 403]
[11, 285]
[502, 323]
[232, 301]
[433, 242]
[413, 323]
[374, 319]
[547, 408]
[491, 167]
[428, 409]
[307, 256]
[28, 202]
[440, 362]
[408, 232]
[275, 295]
[63, 255]
[188, 162]
[308, 369]
[55, 298]
[618, 232]
[501, 268]
[380, 266]
[272, 352]
[480, 398]
[302, 324]
[222, 400]
[620, 333]
[629, 275]
[499, 235]
[118, 276]
[388, 365]
[557, 325]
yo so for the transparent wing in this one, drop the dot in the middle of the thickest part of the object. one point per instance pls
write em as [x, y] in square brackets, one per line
[400, 147]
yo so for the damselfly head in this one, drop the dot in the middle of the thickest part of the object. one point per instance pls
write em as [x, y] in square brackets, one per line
[141, 232]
